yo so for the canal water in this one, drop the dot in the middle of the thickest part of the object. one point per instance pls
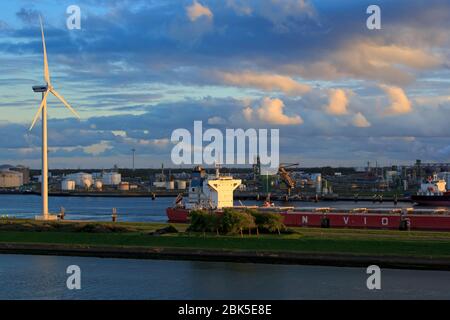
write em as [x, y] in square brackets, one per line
[44, 277]
[132, 209]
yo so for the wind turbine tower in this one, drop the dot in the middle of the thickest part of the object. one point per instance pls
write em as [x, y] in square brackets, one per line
[45, 90]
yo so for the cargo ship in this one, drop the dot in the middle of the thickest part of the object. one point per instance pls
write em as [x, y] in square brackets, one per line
[433, 192]
[214, 193]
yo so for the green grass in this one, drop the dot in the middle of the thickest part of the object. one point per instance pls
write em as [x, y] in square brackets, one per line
[371, 242]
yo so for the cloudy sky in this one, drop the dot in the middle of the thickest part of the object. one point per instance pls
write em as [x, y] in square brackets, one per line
[340, 94]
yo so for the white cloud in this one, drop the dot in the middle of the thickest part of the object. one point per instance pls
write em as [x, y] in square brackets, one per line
[360, 121]
[271, 112]
[248, 113]
[160, 143]
[337, 102]
[196, 11]
[216, 120]
[240, 8]
[97, 148]
[392, 64]
[432, 101]
[264, 81]
[399, 102]
[119, 133]
[278, 12]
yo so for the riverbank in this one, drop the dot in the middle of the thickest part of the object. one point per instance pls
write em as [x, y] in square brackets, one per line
[332, 247]
[99, 194]
[270, 257]
[239, 195]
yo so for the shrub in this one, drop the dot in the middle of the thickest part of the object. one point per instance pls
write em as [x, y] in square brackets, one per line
[268, 222]
[236, 221]
[98, 228]
[166, 230]
[200, 221]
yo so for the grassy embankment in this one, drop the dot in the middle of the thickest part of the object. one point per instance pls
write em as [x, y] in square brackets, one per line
[430, 245]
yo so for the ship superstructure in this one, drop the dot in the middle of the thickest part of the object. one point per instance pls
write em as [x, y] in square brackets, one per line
[210, 191]
[433, 187]
[433, 192]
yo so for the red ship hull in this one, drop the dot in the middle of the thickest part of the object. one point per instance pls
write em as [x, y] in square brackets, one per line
[435, 222]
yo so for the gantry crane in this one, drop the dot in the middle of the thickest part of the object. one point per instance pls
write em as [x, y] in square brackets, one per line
[286, 177]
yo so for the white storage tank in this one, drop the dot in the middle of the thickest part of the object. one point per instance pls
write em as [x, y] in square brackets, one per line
[98, 184]
[124, 186]
[317, 178]
[170, 185]
[159, 184]
[181, 184]
[87, 182]
[68, 185]
[81, 179]
[112, 178]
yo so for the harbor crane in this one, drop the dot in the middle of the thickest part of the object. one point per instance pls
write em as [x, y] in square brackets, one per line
[286, 177]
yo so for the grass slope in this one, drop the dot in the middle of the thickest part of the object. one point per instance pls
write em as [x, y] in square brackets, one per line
[371, 242]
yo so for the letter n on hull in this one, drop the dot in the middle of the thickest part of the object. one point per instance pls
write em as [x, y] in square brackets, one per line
[304, 220]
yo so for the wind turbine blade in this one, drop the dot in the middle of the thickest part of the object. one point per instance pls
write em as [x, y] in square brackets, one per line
[56, 94]
[44, 101]
[46, 72]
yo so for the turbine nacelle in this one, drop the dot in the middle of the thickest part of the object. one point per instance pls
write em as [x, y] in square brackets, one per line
[40, 88]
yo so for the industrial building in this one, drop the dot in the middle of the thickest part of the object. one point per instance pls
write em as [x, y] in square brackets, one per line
[24, 170]
[25, 173]
[11, 179]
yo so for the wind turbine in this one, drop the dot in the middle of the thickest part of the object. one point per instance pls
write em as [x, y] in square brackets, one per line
[45, 90]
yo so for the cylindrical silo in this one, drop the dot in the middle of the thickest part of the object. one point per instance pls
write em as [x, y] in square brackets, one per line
[98, 184]
[318, 183]
[68, 185]
[170, 185]
[181, 184]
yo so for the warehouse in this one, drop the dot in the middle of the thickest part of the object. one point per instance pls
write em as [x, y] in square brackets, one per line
[10, 179]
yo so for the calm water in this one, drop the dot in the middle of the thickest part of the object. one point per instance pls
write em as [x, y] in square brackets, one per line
[44, 277]
[129, 209]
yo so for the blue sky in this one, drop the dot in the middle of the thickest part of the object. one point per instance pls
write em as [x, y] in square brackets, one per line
[339, 93]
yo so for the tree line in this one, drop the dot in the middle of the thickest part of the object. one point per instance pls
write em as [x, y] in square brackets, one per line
[233, 221]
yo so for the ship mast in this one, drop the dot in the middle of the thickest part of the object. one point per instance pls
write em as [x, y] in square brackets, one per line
[217, 166]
